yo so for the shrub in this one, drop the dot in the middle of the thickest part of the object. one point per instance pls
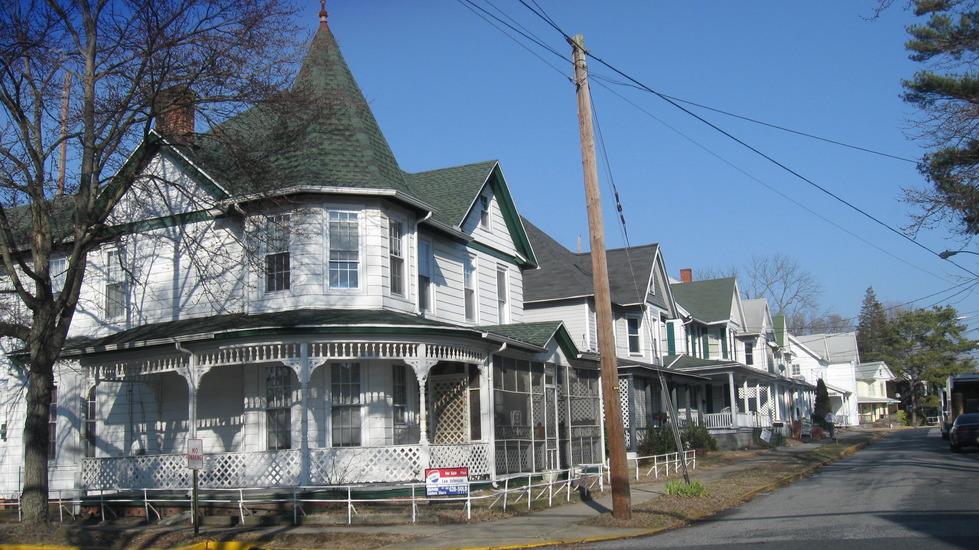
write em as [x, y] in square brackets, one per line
[660, 440]
[695, 488]
[903, 418]
[698, 437]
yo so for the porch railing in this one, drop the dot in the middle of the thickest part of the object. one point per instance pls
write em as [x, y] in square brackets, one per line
[283, 468]
[725, 420]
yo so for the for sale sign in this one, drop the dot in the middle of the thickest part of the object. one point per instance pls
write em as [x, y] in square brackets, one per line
[446, 482]
[195, 454]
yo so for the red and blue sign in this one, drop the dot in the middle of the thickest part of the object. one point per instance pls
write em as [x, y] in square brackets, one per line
[446, 482]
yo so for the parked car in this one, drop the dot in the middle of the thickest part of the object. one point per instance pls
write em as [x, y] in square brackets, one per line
[964, 432]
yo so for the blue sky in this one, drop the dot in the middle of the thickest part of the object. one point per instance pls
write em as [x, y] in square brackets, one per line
[448, 88]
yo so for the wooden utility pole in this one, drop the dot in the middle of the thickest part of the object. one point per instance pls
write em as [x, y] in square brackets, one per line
[621, 497]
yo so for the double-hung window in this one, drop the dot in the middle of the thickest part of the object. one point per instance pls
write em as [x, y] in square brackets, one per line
[116, 285]
[749, 353]
[344, 235]
[469, 287]
[396, 248]
[635, 342]
[277, 261]
[346, 402]
[484, 212]
[59, 273]
[278, 407]
[502, 295]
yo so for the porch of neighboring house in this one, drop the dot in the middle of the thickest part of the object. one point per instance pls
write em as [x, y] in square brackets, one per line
[314, 413]
[737, 402]
[875, 410]
[840, 404]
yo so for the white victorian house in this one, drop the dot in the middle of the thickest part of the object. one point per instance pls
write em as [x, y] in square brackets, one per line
[317, 317]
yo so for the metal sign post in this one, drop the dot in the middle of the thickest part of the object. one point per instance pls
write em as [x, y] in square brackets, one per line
[195, 461]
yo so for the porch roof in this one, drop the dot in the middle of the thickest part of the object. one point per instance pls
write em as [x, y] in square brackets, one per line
[629, 366]
[707, 367]
[882, 400]
[237, 325]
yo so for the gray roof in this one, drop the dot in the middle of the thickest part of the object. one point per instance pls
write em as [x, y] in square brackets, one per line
[835, 348]
[708, 301]
[565, 274]
[755, 314]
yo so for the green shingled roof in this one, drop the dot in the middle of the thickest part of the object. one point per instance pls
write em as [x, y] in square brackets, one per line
[320, 133]
[452, 189]
[708, 301]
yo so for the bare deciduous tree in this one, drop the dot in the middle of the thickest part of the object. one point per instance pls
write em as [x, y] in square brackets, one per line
[790, 289]
[90, 78]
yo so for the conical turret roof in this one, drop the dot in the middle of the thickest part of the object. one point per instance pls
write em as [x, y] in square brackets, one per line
[320, 133]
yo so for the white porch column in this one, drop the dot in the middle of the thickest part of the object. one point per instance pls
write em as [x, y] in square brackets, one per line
[193, 378]
[744, 392]
[734, 399]
[303, 373]
[421, 367]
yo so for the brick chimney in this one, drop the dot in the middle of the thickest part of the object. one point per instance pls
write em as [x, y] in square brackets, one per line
[686, 275]
[174, 111]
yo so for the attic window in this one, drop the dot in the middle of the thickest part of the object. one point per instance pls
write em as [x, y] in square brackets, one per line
[484, 214]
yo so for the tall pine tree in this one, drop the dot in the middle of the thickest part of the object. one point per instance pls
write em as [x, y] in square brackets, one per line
[946, 92]
[871, 328]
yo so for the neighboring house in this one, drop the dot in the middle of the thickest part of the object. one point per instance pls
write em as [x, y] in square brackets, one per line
[839, 351]
[758, 342]
[713, 338]
[346, 323]
[642, 305]
[872, 379]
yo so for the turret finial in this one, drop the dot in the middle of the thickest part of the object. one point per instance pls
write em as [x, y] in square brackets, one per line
[323, 14]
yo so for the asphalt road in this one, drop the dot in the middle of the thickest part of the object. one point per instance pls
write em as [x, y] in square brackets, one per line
[905, 491]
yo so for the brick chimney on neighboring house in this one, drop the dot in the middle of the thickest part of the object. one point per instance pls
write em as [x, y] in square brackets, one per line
[174, 111]
[686, 275]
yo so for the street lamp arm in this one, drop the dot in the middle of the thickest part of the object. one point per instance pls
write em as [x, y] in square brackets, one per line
[949, 253]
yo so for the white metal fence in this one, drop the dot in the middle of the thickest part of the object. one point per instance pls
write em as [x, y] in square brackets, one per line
[509, 491]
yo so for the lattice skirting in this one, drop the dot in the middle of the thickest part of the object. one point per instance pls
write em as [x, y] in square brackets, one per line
[334, 466]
